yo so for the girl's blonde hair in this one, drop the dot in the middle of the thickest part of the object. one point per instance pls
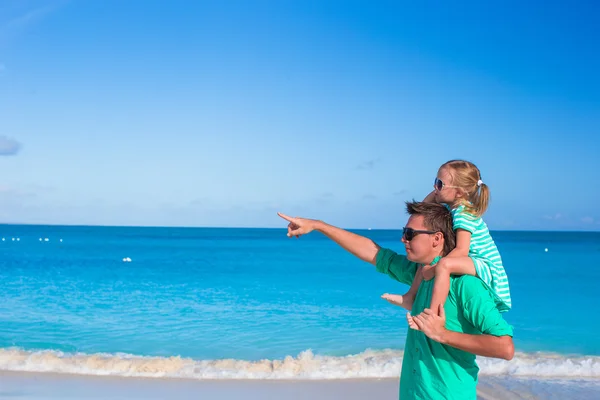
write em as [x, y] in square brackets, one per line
[466, 176]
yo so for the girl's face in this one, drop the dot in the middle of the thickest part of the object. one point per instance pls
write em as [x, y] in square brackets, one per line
[445, 192]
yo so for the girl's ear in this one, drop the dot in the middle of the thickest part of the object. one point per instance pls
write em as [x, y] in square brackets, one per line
[460, 193]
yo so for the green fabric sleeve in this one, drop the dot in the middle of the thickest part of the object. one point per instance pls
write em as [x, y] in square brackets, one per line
[396, 266]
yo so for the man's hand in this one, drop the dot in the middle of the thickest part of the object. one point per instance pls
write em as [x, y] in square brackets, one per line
[411, 322]
[433, 325]
[299, 226]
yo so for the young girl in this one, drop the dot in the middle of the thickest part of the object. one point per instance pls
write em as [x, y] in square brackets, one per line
[458, 185]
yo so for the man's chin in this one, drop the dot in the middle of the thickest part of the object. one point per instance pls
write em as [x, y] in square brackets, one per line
[411, 257]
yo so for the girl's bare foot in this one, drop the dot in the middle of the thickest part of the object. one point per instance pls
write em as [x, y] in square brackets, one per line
[399, 300]
[411, 322]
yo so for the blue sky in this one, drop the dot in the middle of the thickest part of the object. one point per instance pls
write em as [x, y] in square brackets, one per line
[220, 113]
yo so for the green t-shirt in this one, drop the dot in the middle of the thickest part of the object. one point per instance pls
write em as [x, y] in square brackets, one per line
[431, 370]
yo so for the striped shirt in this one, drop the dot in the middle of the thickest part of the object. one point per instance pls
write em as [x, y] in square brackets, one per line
[485, 255]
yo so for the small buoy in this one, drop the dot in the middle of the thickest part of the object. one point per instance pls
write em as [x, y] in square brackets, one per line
[546, 249]
[46, 240]
[3, 239]
[61, 240]
[40, 239]
[18, 239]
[13, 239]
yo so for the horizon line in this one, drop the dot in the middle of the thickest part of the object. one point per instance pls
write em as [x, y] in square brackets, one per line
[263, 227]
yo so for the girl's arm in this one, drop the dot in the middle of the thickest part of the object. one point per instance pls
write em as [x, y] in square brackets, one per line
[430, 198]
[463, 243]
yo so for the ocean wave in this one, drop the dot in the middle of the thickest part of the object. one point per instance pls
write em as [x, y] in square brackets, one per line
[368, 364]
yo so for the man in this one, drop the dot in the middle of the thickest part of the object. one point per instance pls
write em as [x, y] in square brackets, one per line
[439, 359]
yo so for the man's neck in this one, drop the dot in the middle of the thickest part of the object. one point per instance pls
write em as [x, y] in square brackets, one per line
[434, 258]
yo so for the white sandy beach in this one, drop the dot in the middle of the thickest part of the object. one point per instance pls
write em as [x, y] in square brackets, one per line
[36, 386]
[49, 386]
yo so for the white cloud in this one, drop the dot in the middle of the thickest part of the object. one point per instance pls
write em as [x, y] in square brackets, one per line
[20, 19]
[370, 164]
[553, 217]
[587, 220]
[29, 17]
[8, 146]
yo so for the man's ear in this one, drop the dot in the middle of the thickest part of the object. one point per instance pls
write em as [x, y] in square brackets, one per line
[438, 239]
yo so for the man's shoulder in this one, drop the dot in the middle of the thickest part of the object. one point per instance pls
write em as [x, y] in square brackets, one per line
[395, 265]
[472, 296]
[468, 281]
[468, 286]
[385, 253]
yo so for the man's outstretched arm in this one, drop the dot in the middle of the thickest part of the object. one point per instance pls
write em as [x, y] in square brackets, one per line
[360, 246]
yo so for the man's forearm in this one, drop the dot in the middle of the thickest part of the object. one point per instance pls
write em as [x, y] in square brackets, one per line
[481, 345]
[362, 247]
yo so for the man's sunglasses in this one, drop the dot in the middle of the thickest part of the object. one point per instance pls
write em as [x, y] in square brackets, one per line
[438, 184]
[409, 233]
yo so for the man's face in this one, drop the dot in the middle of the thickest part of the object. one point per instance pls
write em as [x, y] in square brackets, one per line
[424, 246]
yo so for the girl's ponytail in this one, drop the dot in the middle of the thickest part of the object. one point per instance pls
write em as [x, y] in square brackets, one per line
[479, 199]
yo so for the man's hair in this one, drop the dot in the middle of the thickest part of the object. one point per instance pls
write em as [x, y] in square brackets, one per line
[436, 217]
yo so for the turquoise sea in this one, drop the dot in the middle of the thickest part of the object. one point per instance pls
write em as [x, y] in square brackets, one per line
[252, 303]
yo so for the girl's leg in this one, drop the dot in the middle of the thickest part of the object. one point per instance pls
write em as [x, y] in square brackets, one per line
[407, 299]
[445, 267]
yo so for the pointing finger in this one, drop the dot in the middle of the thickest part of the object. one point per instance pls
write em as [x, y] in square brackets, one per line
[287, 218]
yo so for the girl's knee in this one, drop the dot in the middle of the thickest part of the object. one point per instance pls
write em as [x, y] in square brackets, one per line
[442, 267]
